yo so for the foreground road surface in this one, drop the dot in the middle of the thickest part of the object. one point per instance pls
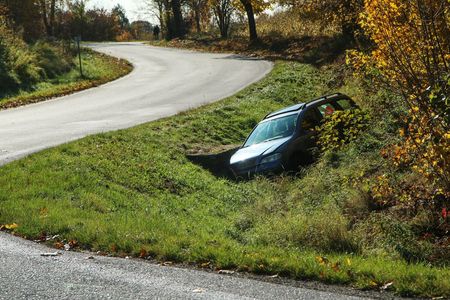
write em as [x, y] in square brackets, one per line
[25, 274]
[164, 82]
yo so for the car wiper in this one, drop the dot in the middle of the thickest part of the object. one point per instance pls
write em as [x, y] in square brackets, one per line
[271, 139]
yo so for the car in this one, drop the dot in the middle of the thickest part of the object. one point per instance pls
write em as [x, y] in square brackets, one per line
[283, 139]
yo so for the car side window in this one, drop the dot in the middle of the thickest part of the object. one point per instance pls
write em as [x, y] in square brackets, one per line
[310, 120]
[326, 109]
[345, 104]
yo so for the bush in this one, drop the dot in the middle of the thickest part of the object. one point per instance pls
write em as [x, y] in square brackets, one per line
[341, 128]
[18, 66]
[51, 59]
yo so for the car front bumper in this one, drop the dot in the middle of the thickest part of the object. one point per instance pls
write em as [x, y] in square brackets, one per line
[263, 169]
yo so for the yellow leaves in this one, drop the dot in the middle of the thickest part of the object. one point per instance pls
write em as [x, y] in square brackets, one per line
[447, 136]
[322, 260]
[258, 5]
[336, 266]
[393, 6]
[348, 261]
[11, 226]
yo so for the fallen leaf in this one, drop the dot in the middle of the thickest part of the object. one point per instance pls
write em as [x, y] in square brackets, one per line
[143, 253]
[9, 226]
[58, 245]
[322, 260]
[335, 266]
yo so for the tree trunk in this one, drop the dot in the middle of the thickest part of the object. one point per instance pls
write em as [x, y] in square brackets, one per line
[44, 16]
[197, 20]
[52, 17]
[177, 19]
[251, 19]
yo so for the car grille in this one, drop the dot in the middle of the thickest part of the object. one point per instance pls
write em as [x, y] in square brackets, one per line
[246, 164]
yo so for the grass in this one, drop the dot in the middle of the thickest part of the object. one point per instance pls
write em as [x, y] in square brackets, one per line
[97, 69]
[134, 192]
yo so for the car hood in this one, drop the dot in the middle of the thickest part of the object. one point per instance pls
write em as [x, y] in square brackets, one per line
[257, 150]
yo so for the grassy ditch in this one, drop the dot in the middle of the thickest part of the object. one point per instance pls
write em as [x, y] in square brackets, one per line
[98, 69]
[134, 192]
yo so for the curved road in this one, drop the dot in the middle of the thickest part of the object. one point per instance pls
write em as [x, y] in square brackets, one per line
[163, 83]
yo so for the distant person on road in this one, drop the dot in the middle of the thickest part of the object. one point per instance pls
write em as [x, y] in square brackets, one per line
[156, 31]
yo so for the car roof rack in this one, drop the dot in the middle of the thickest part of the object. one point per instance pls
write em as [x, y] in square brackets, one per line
[300, 106]
[285, 110]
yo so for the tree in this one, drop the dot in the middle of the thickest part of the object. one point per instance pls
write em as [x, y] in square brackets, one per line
[78, 10]
[222, 10]
[169, 13]
[23, 17]
[177, 28]
[197, 7]
[252, 7]
[343, 13]
[48, 11]
[120, 13]
[141, 30]
[156, 9]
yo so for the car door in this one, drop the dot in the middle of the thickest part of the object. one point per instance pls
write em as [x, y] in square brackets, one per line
[308, 125]
[300, 151]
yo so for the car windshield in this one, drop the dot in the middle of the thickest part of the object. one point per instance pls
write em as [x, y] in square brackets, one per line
[272, 130]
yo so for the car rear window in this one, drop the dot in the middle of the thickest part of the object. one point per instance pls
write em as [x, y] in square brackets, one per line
[326, 109]
[345, 104]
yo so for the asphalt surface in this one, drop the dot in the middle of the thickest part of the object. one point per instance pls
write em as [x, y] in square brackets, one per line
[25, 274]
[163, 83]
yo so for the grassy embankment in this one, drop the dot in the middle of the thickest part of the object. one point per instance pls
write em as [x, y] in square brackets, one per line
[97, 69]
[134, 192]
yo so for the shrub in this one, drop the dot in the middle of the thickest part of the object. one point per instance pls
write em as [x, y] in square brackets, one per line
[51, 59]
[124, 36]
[18, 65]
[411, 54]
[341, 128]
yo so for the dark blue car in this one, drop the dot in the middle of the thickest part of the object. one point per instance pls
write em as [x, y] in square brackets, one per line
[284, 139]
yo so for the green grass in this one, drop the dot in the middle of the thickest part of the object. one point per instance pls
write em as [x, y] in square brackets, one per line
[97, 69]
[134, 191]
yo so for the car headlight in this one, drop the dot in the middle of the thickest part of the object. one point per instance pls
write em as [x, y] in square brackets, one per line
[271, 158]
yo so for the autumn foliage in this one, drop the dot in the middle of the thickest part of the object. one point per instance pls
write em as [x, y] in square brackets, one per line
[411, 54]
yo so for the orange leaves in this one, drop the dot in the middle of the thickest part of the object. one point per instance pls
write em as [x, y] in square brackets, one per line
[143, 253]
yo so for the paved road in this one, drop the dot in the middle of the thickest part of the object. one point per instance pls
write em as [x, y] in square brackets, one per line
[163, 83]
[25, 274]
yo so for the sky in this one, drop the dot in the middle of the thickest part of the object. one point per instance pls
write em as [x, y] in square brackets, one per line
[133, 8]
